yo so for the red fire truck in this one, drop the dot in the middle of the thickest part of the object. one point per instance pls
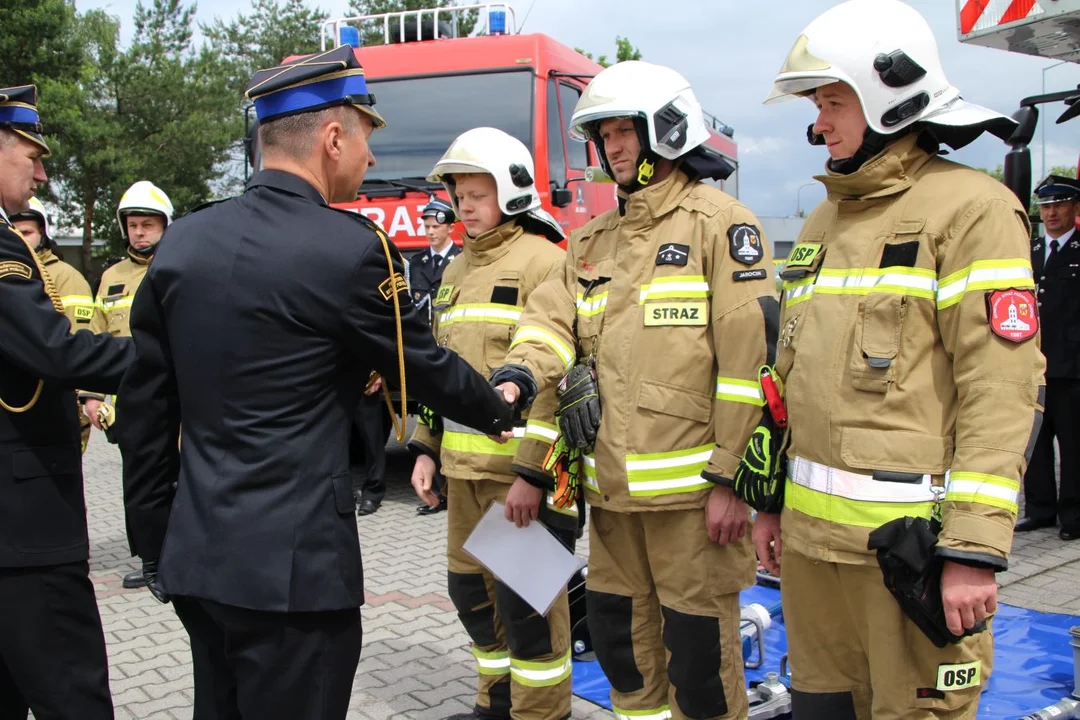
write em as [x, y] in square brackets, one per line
[1043, 28]
[432, 85]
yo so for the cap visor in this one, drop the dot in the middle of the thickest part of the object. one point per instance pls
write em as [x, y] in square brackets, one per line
[36, 139]
[376, 118]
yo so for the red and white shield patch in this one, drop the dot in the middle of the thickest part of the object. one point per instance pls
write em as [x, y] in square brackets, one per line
[1012, 314]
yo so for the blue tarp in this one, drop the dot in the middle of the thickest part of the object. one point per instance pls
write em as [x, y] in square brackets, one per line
[1033, 665]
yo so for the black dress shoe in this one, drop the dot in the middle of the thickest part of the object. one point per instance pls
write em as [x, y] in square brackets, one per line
[428, 510]
[1030, 523]
[1069, 534]
[134, 580]
[367, 507]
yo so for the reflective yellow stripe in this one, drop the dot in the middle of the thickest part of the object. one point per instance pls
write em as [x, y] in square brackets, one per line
[531, 332]
[478, 444]
[492, 663]
[77, 301]
[593, 306]
[736, 390]
[658, 713]
[994, 490]
[667, 473]
[844, 511]
[540, 674]
[589, 480]
[798, 291]
[540, 430]
[675, 286]
[916, 282]
[850, 498]
[480, 312]
[984, 275]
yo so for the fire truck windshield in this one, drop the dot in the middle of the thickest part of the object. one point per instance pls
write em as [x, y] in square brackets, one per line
[425, 114]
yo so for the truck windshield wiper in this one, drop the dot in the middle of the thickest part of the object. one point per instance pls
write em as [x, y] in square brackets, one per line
[388, 188]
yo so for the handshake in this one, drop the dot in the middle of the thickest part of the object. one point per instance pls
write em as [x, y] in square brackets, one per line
[578, 413]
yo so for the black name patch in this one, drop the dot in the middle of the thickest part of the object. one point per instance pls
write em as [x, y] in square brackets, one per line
[758, 274]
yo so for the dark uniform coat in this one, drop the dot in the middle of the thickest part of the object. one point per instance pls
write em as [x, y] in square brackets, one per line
[257, 325]
[1059, 306]
[42, 511]
[425, 276]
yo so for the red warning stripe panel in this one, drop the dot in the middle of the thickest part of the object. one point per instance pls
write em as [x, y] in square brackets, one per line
[970, 14]
[1018, 10]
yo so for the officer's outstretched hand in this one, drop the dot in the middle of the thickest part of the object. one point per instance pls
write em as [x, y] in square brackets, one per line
[969, 595]
[423, 475]
[523, 503]
[767, 541]
[726, 515]
[510, 393]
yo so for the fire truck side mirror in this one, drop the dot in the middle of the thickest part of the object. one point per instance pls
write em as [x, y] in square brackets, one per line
[561, 197]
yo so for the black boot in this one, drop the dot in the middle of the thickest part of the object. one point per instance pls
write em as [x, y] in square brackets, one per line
[134, 579]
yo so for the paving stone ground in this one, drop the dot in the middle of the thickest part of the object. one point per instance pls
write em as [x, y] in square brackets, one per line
[415, 663]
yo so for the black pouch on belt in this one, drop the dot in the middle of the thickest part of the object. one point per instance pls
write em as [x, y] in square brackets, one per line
[912, 573]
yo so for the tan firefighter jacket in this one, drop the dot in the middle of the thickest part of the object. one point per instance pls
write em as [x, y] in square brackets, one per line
[73, 289]
[478, 305]
[675, 298]
[116, 292]
[909, 350]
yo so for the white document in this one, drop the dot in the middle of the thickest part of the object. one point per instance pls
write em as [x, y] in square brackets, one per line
[529, 560]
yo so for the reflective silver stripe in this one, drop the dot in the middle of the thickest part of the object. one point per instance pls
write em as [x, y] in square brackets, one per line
[853, 486]
[451, 426]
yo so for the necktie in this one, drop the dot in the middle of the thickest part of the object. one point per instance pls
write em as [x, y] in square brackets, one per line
[1053, 251]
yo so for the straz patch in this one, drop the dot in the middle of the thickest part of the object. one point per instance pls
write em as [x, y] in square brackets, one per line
[759, 274]
[958, 677]
[392, 285]
[445, 291]
[1012, 314]
[13, 267]
[745, 242]
[677, 313]
[673, 254]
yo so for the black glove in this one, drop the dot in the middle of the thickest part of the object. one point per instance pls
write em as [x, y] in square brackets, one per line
[912, 573]
[149, 571]
[759, 479]
[578, 414]
[520, 376]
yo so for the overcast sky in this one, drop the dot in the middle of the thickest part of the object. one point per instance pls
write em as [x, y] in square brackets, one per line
[730, 51]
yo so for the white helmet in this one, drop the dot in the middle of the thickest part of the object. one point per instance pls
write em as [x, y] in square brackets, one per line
[491, 151]
[36, 212]
[885, 50]
[504, 157]
[143, 198]
[667, 114]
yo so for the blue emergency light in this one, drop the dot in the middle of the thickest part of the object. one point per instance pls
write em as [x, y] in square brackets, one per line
[497, 22]
[350, 36]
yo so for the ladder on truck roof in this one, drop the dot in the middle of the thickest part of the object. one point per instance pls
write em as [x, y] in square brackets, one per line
[332, 28]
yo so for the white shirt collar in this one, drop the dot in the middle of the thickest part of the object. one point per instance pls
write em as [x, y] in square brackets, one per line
[444, 253]
[4, 215]
[1061, 242]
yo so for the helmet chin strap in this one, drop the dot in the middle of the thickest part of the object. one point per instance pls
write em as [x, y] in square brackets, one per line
[646, 161]
[872, 144]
